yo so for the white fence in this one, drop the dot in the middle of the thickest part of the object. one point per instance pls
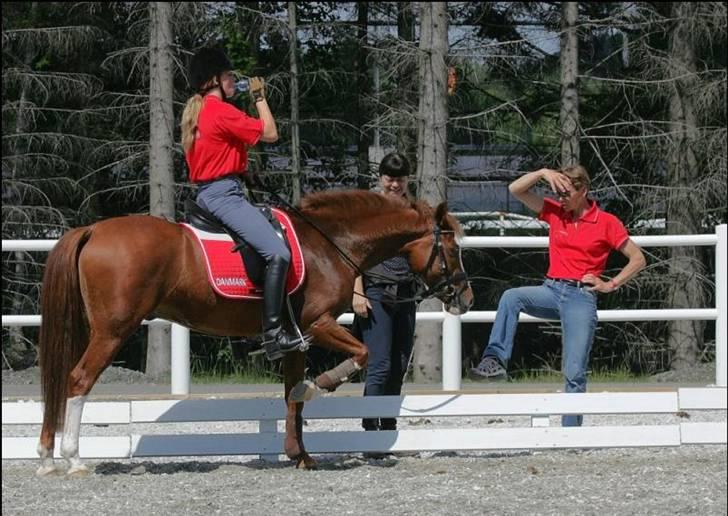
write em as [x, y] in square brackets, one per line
[268, 442]
[451, 335]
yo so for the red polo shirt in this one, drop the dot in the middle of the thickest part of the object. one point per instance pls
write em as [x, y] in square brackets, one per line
[578, 247]
[221, 144]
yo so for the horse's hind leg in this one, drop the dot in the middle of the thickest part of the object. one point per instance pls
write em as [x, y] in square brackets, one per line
[46, 445]
[98, 356]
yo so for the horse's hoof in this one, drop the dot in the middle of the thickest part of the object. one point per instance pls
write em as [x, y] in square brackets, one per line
[78, 472]
[305, 461]
[47, 471]
[304, 391]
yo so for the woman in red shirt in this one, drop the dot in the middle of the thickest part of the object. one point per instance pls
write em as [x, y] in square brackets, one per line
[581, 236]
[215, 137]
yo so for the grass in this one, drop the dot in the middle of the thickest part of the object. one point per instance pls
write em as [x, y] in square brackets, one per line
[236, 378]
[622, 375]
[251, 372]
[258, 375]
[219, 364]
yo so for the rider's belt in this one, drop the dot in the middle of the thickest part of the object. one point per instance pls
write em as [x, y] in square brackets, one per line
[573, 283]
[235, 176]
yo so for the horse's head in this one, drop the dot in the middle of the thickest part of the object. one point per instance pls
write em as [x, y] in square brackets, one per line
[436, 257]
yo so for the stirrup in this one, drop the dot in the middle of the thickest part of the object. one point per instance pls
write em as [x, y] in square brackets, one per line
[273, 349]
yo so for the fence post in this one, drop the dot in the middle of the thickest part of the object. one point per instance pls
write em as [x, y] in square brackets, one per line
[267, 426]
[721, 305]
[451, 352]
[180, 359]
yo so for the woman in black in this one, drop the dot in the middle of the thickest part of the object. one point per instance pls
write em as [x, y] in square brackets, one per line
[386, 328]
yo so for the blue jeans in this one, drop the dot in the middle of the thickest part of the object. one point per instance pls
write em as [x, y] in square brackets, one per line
[576, 307]
[225, 199]
[388, 332]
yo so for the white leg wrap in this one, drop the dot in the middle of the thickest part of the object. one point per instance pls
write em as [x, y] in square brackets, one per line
[72, 428]
[343, 371]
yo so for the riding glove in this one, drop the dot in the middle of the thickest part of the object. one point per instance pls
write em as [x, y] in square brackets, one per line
[257, 88]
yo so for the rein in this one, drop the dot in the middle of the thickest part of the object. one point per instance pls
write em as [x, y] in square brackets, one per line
[257, 182]
[444, 286]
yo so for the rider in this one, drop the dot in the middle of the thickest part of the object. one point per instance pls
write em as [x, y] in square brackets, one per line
[215, 138]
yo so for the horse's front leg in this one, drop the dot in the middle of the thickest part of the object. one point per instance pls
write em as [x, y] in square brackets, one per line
[293, 373]
[327, 333]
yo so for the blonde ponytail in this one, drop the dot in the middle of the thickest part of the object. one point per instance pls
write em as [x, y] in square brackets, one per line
[189, 121]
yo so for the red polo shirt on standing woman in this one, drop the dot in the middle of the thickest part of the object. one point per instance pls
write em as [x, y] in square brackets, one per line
[221, 142]
[582, 246]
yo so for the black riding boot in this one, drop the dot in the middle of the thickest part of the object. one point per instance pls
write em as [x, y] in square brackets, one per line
[276, 340]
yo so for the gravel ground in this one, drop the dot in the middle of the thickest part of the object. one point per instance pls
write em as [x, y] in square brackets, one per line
[683, 480]
[31, 376]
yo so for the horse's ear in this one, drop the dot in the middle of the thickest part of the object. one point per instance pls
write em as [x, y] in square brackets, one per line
[440, 213]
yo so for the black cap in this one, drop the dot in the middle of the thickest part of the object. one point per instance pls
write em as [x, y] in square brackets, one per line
[394, 164]
[206, 64]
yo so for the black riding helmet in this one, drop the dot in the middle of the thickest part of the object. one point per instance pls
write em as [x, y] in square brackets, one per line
[206, 64]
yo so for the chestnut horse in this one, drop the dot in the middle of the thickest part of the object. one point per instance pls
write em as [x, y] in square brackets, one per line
[101, 281]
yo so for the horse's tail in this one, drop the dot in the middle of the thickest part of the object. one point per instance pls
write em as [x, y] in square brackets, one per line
[64, 330]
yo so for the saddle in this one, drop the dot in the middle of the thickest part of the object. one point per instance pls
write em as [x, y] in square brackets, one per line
[202, 219]
[230, 276]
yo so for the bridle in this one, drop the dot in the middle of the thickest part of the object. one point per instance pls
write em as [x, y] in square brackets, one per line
[444, 289]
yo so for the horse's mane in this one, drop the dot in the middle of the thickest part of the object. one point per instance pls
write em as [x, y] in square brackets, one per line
[357, 203]
[344, 204]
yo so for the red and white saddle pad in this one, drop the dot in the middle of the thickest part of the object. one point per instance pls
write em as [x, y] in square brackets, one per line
[226, 270]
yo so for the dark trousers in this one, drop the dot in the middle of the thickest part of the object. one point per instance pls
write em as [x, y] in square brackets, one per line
[388, 332]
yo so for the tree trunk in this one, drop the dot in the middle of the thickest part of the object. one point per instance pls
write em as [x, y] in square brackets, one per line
[684, 207]
[161, 142]
[569, 117]
[432, 163]
[406, 81]
[295, 139]
[362, 73]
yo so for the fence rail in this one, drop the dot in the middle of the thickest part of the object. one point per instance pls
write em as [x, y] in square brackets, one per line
[452, 325]
[268, 442]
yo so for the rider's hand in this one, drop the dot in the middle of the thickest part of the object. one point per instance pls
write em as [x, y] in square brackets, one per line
[559, 182]
[257, 88]
[361, 305]
[604, 287]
